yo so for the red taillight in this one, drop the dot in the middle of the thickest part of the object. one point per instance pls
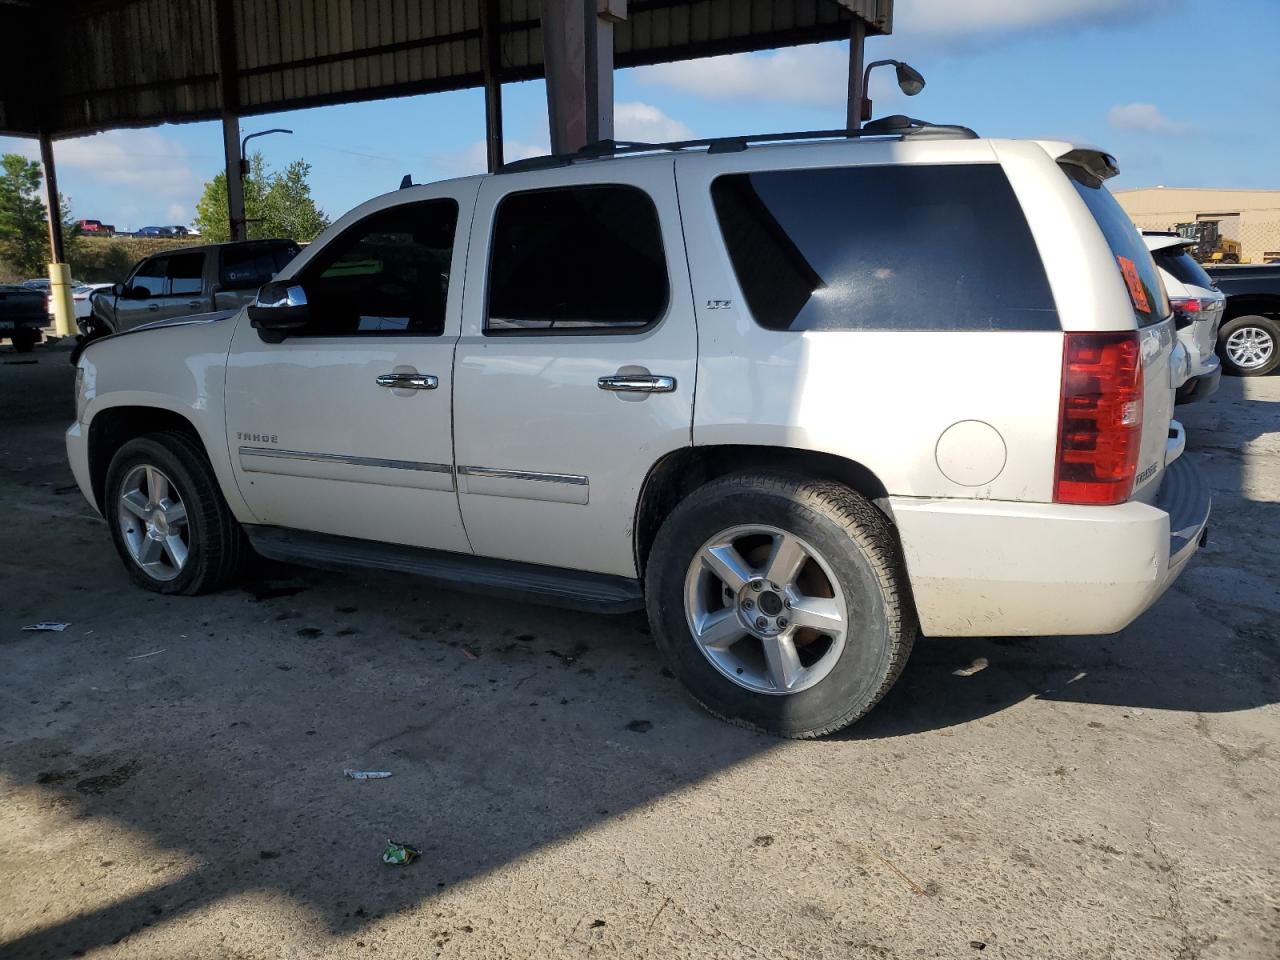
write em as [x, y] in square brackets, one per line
[1100, 422]
[1185, 304]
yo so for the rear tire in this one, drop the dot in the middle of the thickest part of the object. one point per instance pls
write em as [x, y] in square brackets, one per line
[1249, 346]
[168, 519]
[840, 637]
[24, 341]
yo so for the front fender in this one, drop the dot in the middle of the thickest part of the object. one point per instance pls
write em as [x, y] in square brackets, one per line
[178, 368]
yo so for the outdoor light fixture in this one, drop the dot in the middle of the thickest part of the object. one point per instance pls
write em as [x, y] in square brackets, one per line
[244, 144]
[910, 81]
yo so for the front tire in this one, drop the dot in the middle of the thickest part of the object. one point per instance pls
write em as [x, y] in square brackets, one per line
[168, 519]
[1250, 346]
[781, 603]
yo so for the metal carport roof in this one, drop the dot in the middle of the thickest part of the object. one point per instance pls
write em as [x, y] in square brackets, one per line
[79, 66]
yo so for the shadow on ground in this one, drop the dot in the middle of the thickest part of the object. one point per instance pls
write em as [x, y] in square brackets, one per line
[507, 727]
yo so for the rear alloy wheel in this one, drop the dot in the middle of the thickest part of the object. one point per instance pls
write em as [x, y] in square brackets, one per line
[781, 603]
[169, 521]
[1250, 346]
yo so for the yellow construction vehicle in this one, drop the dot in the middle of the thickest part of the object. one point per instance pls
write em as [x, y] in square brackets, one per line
[1210, 245]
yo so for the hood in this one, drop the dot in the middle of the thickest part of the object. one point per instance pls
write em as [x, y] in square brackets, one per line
[213, 317]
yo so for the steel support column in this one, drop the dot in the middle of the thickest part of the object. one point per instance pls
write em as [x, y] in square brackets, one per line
[64, 308]
[491, 51]
[857, 47]
[577, 50]
[229, 88]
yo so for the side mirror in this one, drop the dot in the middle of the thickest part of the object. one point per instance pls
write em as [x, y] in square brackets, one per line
[117, 289]
[280, 309]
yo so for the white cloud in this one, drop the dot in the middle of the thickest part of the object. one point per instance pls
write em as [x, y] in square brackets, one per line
[1144, 118]
[474, 159]
[949, 17]
[647, 124]
[136, 159]
[811, 75]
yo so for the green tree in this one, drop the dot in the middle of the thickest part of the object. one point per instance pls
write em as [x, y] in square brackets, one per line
[276, 204]
[24, 237]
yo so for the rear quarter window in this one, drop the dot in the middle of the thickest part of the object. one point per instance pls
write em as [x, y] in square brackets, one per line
[249, 267]
[906, 247]
[1146, 291]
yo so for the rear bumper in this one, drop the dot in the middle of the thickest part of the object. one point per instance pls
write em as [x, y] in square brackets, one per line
[988, 568]
[1197, 388]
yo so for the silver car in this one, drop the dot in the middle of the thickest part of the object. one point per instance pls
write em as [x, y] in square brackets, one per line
[1197, 307]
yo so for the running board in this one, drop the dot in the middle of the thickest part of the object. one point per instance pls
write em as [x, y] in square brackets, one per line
[554, 586]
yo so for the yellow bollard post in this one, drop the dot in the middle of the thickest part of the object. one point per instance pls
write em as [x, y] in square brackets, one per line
[64, 307]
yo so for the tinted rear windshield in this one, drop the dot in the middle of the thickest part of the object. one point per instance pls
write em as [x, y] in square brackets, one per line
[1150, 302]
[905, 247]
[1182, 266]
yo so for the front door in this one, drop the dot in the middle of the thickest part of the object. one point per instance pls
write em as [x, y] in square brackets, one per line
[575, 370]
[345, 427]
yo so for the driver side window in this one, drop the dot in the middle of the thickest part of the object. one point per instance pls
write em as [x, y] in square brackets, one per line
[387, 274]
[150, 279]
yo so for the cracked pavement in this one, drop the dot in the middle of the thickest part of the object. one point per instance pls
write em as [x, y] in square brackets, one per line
[171, 769]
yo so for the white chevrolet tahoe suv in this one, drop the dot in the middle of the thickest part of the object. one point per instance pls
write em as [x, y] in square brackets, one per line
[801, 400]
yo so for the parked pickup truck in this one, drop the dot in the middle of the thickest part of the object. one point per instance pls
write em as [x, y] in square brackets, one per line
[1249, 339]
[24, 312]
[671, 377]
[189, 280]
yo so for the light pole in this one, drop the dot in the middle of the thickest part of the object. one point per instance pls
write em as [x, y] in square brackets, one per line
[235, 190]
[910, 82]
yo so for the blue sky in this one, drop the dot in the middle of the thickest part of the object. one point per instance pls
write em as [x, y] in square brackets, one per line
[1182, 92]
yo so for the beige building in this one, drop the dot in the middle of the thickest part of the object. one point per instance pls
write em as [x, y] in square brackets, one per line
[1250, 217]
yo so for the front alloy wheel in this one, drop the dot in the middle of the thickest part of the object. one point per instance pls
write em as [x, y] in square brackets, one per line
[153, 522]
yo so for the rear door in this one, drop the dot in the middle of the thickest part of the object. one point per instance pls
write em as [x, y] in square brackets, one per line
[186, 291]
[575, 369]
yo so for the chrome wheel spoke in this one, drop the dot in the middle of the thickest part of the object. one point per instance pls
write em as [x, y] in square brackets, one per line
[150, 550]
[783, 660]
[175, 514]
[818, 613]
[785, 560]
[176, 550]
[157, 485]
[135, 501]
[727, 564]
[720, 630]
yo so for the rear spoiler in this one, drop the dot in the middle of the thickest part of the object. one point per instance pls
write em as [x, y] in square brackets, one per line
[1097, 163]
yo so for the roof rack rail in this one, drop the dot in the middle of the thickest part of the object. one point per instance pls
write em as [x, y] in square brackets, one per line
[899, 126]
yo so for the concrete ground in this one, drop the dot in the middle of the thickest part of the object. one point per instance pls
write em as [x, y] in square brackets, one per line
[171, 770]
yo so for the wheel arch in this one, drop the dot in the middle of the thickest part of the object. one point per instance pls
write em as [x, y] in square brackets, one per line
[113, 427]
[1251, 304]
[682, 471]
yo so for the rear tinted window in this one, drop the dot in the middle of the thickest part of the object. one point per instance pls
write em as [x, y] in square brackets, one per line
[1182, 266]
[871, 248]
[1150, 302]
[249, 267]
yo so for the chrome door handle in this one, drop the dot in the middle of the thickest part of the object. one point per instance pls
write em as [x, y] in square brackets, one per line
[408, 381]
[154, 306]
[623, 383]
